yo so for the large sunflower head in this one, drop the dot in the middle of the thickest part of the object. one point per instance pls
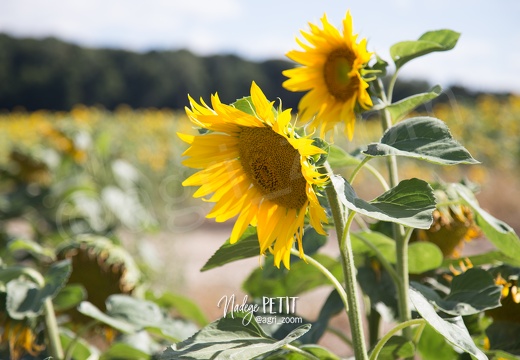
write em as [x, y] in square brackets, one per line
[331, 72]
[257, 168]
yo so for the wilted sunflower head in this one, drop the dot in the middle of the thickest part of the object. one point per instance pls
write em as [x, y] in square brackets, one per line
[101, 267]
[331, 71]
[452, 226]
[257, 168]
[508, 277]
[20, 337]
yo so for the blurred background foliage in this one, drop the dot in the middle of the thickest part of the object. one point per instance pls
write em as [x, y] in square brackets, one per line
[55, 75]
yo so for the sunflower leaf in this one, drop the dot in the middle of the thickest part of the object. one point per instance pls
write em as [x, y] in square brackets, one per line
[422, 256]
[410, 203]
[25, 298]
[498, 232]
[433, 346]
[402, 107]
[236, 336]
[423, 138]
[337, 157]
[397, 347]
[452, 329]
[431, 41]
[90, 310]
[183, 306]
[471, 293]
[247, 246]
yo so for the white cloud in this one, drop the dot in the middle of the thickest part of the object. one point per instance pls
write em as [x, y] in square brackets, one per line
[127, 23]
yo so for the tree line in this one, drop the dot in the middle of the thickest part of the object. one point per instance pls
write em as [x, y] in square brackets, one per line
[55, 75]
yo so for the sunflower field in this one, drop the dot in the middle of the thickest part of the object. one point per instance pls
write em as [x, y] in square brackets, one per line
[83, 192]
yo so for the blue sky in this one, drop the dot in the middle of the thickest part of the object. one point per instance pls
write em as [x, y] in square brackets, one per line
[487, 56]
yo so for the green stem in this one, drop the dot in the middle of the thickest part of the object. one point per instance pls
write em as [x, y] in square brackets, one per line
[349, 269]
[356, 170]
[401, 251]
[418, 333]
[391, 86]
[51, 324]
[395, 330]
[300, 352]
[372, 170]
[328, 275]
[378, 176]
[361, 223]
[405, 313]
[51, 328]
[72, 345]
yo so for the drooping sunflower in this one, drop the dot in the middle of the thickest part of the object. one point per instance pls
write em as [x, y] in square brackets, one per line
[20, 337]
[331, 72]
[508, 278]
[258, 169]
[453, 225]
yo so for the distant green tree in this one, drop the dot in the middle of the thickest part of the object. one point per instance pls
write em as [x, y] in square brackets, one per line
[55, 75]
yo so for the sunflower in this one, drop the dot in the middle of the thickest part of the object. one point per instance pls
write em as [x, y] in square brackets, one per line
[453, 225]
[507, 277]
[20, 337]
[332, 68]
[258, 169]
[102, 267]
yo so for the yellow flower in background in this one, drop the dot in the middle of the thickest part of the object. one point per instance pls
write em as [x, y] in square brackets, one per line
[453, 223]
[258, 169]
[331, 73]
[451, 229]
[20, 337]
[510, 299]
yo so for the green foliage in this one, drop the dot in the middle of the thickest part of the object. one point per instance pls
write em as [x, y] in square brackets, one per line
[397, 347]
[238, 337]
[433, 346]
[410, 203]
[247, 246]
[503, 335]
[470, 293]
[69, 297]
[401, 108]
[184, 306]
[452, 329]
[431, 41]
[422, 138]
[337, 157]
[26, 298]
[497, 231]
[422, 256]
